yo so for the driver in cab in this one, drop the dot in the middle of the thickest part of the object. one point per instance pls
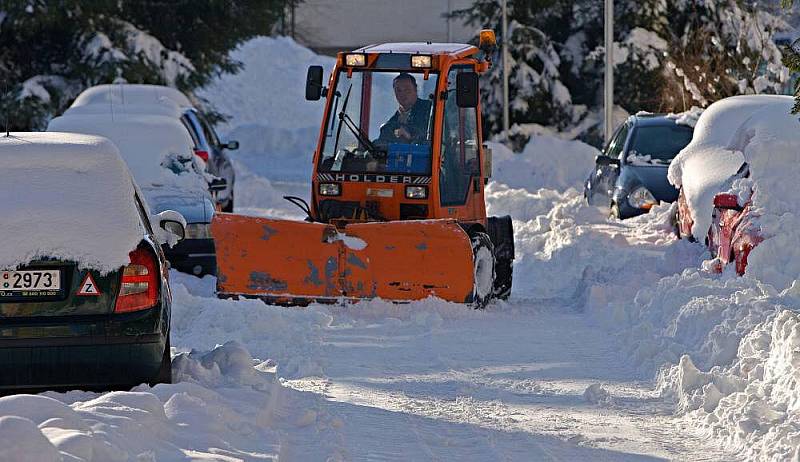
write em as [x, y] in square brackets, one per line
[409, 124]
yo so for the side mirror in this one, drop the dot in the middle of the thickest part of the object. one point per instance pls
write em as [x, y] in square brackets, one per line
[467, 89]
[314, 83]
[171, 227]
[605, 160]
[231, 145]
[727, 201]
[218, 184]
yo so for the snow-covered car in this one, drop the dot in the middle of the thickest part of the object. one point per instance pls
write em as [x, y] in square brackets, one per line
[158, 151]
[150, 99]
[630, 176]
[738, 176]
[84, 294]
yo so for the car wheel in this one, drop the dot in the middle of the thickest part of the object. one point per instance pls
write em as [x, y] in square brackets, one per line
[483, 270]
[165, 370]
[615, 211]
[675, 221]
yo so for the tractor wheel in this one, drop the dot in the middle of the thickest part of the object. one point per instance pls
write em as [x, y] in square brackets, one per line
[165, 371]
[504, 273]
[483, 267]
[228, 208]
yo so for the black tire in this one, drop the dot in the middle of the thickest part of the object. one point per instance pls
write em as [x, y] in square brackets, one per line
[165, 370]
[228, 208]
[483, 270]
[615, 211]
[501, 231]
[503, 278]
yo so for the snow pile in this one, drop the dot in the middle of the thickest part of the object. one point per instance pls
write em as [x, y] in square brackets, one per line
[545, 162]
[157, 148]
[689, 117]
[75, 184]
[276, 127]
[227, 406]
[743, 332]
[571, 253]
[283, 335]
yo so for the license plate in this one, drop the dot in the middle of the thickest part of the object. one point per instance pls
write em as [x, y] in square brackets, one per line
[30, 282]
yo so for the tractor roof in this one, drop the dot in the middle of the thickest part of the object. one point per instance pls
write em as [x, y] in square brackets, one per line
[426, 48]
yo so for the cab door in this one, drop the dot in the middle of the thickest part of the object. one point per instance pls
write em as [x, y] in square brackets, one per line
[460, 188]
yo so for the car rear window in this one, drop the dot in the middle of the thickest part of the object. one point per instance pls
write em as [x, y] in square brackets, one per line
[662, 142]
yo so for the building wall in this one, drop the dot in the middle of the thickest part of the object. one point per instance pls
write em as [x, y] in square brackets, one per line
[328, 26]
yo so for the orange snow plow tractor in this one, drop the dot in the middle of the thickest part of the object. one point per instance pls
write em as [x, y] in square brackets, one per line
[397, 205]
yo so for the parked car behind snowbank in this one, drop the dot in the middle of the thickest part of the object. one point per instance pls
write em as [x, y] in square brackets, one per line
[158, 151]
[748, 149]
[630, 176]
[84, 297]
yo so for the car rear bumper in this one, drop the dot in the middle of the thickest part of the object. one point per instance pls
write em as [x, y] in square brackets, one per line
[193, 256]
[86, 352]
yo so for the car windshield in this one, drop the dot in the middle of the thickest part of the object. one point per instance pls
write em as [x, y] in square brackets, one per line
[380, 122]
[658, 144]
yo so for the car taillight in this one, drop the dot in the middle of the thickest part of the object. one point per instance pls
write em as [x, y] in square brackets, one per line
[139, 287]
[201, 154]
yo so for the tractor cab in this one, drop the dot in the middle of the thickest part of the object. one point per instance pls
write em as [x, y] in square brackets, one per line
[401, 136]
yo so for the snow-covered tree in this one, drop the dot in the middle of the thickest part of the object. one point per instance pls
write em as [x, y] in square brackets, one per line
[536, 93]
[668, 57]
[52, 50]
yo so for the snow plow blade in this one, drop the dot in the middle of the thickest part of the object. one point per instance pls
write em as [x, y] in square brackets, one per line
[295, 263]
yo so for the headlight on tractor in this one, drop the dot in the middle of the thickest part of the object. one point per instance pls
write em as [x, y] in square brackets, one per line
[355, 59]
[198, 231]
[641, 198]
[329, 189]
[423, 61]
[416, 192]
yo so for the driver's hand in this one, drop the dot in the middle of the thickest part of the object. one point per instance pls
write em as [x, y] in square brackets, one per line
[402, 133]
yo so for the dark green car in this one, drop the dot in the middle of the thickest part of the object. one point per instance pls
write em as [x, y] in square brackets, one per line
[63, 323]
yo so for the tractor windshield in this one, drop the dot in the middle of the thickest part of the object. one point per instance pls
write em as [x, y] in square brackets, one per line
[380, 122]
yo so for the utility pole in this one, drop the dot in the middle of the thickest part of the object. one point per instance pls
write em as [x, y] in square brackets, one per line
[608, 93]
[506, 67]
[449, 21]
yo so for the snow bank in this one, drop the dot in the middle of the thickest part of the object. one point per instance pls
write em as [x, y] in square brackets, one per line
[545, 162]
[75, 184]
[270, 89]
[285, 336]
[276, 127]
[225, 405]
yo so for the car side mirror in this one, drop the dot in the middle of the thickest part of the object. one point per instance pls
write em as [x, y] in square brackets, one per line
[171, 227]
[467, 89]
[231, 145]
[727, 201]
[606, 160]
[314, 88]
[218, 184]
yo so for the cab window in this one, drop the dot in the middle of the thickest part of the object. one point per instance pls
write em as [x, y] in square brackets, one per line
[460, 158]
